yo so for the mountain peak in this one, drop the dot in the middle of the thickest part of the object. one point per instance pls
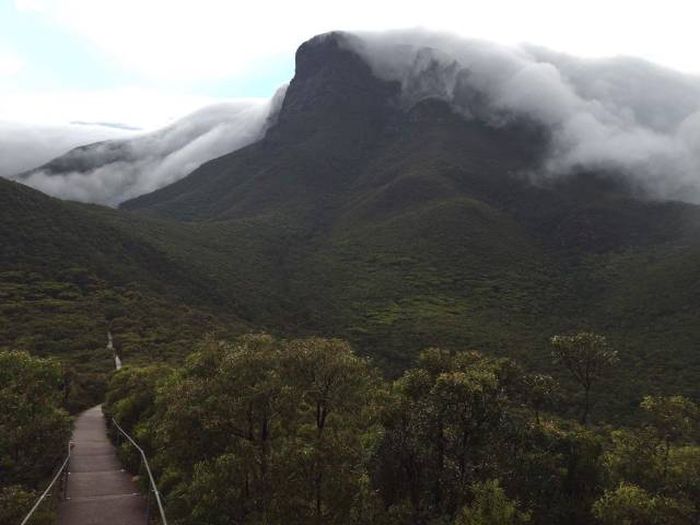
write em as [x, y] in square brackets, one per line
[333, 86]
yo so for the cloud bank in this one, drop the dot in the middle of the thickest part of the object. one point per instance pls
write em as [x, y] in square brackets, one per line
[27, 146]
[619, 114]
[258, 38]
[623, 115]
[113, 171]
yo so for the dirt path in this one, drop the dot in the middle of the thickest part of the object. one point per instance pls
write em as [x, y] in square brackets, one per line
[99, 491]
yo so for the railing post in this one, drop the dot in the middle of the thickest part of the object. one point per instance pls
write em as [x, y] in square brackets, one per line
[64, 492]
[66, 471]
[151, 481]
[63, 468]
[148, 506]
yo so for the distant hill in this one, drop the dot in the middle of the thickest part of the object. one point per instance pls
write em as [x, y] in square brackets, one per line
[398, 228]
[71, 272]
[111, 171]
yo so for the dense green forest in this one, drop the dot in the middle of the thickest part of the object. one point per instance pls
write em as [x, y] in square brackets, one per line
[266, 430]
[263, 430]
[393, 228]
[411, 277]
[34, 432]
[71, 273]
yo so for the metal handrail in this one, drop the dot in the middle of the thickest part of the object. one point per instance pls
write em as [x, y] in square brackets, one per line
[48, 489]
[148, 470]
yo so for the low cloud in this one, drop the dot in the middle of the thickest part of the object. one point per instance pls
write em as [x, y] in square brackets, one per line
[10, 63]
[619, 114]
[27, 146]
[113, 171]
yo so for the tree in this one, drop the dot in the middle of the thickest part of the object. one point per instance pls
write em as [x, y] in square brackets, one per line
[656, 467]
[267, 431]
[34, 430]
[675, 418]
[586, 356]
[16, 501]
[220, 416]
[443, 431]
[631, 505]
[491, 506]
[131, 394]
[540, 390]
[336, 411]
[131, 401]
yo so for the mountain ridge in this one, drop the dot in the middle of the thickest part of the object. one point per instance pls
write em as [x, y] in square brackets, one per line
[401, 228]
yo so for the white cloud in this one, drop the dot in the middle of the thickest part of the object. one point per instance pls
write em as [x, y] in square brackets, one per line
[10, 63]
[133, 106]
[32, 5]
[625, 115]
[23, 146]
[114, 171]
[203, 39]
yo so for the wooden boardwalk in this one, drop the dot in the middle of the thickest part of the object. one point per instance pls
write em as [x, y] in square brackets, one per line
[99, 491]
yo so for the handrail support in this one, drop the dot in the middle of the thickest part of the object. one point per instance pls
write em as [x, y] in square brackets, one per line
[61, 470]
[152, 482]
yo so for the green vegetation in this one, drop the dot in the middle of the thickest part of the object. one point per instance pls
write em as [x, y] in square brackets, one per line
[257, 430]
[263, 430]
[395, 230]
[15, 502]
[34, 432]
[587, 357]
[67, 276]
[419, 235]
[375, 264]
[490, 505]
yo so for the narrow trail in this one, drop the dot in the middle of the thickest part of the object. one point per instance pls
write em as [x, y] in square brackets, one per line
[110, 347]
[99, 491]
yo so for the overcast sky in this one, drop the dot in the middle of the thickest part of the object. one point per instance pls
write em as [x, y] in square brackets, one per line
[144, 63]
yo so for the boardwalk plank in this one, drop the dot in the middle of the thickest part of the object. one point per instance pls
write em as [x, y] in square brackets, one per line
[99, 491]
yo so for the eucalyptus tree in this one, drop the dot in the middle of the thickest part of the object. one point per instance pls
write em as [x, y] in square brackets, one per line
[261, 430]
[587, 357]
[34, 429]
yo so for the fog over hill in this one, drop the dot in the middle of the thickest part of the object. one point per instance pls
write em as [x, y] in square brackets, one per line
[112, 171]
[370, 211]
[26, 146]
[620, 115]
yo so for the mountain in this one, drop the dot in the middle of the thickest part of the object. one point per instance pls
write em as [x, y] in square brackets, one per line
[23, 147]
[70, 272]
[111, 171]
[404, 227]
[399, 226]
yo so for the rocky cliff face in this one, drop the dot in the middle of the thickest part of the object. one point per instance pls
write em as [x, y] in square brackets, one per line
[334, 94]
[336, 125]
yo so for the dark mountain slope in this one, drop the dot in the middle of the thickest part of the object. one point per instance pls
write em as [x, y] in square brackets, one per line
[396, 227]
[332, 116]
[403, 227]
[70, 272]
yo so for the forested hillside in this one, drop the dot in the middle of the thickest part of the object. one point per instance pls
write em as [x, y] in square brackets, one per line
[69, 273]
[413, 266]
[399, 227]
[260, 430]
[34, 433]
[393, 227]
